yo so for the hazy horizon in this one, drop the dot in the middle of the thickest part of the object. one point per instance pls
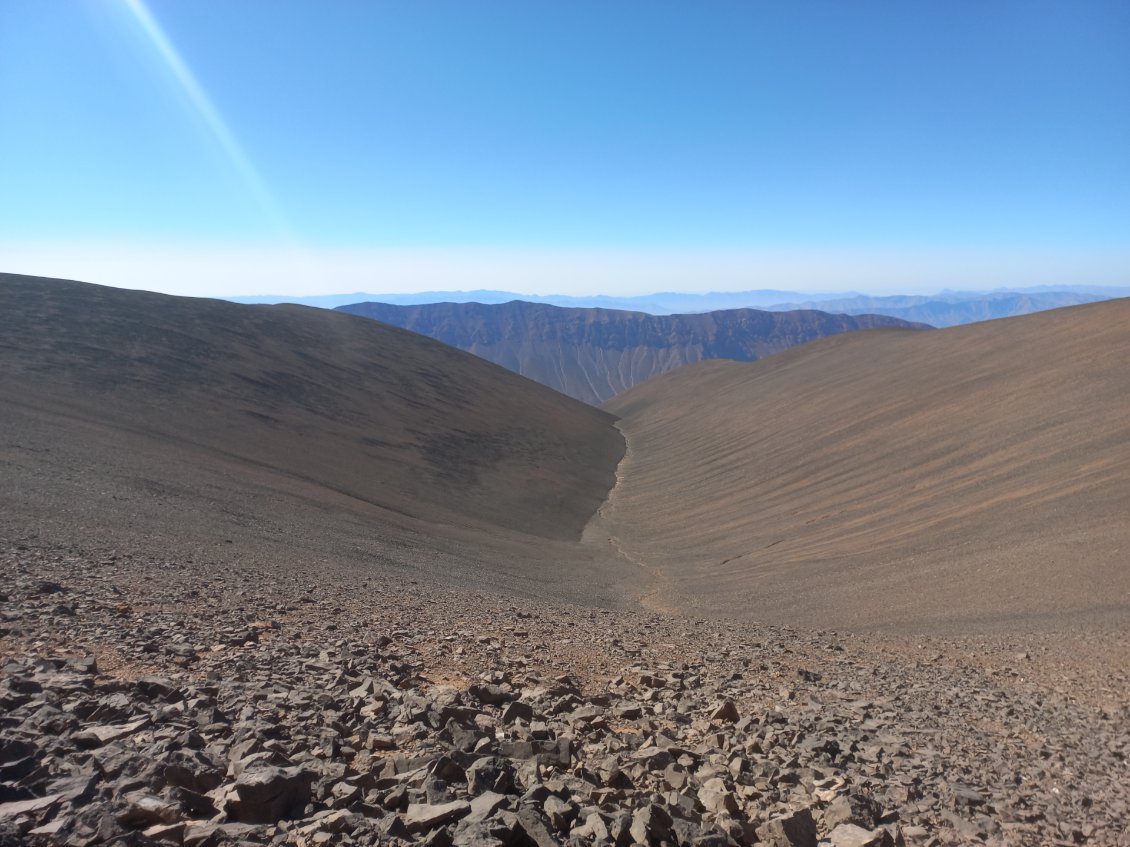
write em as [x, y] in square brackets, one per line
[291, 273]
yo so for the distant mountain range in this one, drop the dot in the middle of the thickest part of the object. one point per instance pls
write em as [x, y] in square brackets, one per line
[663, 303]
[950, 309]
[594, 354]
[946, 308]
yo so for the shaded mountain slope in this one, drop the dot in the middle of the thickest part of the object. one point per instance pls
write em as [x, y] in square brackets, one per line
[284, 427]
[594, 354]
[952, 309]
[976, 475]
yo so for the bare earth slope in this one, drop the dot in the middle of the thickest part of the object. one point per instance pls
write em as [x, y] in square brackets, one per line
[270, 575]
[951, 309]
[285, 430]
[973, 476]
[594, 354]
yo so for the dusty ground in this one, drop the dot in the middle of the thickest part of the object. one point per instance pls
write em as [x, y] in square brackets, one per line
[1004, 740]
[970, 479]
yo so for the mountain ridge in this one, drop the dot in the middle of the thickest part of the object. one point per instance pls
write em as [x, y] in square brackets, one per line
[660, 302]
[594, 354]
[675, 302]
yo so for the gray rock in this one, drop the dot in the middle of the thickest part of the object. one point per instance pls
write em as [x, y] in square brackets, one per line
[716, 798]
[422, 817]
[96, 736]
[144, 810]
[858, 809]
[477, 834]
[27, 807]
[627, 710]
[593, 829]
[850, 835]
[490, 695]
[536, 828]
[490, 773]
[650, 825]
[726, 711]
[796, 829]
[560, 813]
[267, 795]
[559, 752]
[486, 804]
[517, 710]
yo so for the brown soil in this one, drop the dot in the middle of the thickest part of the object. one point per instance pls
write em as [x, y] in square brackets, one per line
[969, 479]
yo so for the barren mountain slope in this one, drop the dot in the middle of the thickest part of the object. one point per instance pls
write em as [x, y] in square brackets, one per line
[977, 476]
[270, 431]
[594, 354]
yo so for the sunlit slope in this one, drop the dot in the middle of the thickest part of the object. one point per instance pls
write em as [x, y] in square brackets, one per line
[278, 424]
[978, 474]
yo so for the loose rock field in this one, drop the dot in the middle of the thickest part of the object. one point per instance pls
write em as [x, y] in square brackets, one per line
[167, 703]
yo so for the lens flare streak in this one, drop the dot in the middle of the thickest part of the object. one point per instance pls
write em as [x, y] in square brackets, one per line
[208, 112]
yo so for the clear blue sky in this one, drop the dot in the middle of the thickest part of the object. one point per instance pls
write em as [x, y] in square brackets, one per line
[215, 146]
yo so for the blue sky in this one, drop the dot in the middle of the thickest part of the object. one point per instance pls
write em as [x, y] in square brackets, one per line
[259, 146]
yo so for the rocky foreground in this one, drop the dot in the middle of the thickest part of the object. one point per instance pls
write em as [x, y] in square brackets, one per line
[175, 702]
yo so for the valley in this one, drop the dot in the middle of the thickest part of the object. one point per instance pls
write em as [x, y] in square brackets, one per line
[595, 354]
[280, 575]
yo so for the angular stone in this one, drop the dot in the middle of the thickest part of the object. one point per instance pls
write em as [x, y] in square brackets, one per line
[268, 795]
[96, 736]
[797, 829]
[726, 711]
[517, 710]
[490, 695]
[858, 809]
[650, 825]
[560, 813]
[172, 833]
[715, 798]
[422, 817]
[557, 752]
[143, 810]
[48, 829]
[594, 828]
[485, 805]
[25, 807]
[850, 835]
[490, 773]
[536, 828]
